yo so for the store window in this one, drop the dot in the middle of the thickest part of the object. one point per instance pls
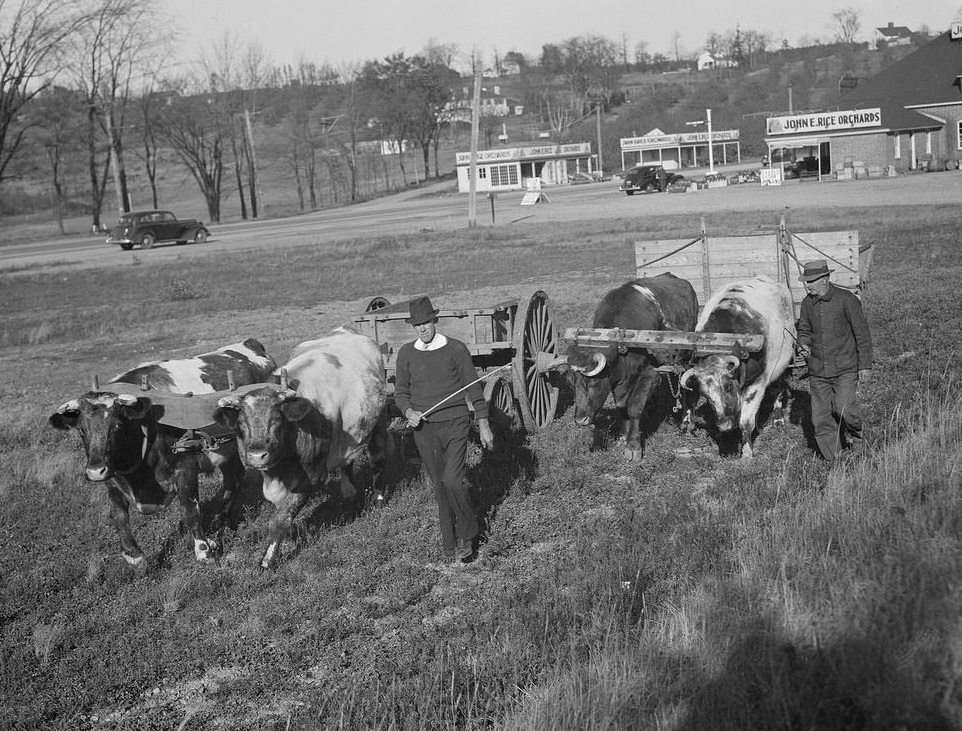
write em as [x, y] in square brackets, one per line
[504, 175]
[482, 173]
[898, 146]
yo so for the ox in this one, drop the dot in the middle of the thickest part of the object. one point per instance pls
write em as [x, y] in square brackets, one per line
[129, 449]
[335, 420]
[665, 302]
[735, 387]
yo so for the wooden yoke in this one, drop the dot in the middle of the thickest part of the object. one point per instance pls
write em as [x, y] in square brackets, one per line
[700, 343]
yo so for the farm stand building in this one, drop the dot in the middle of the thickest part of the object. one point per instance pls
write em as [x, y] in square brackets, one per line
[907, 117]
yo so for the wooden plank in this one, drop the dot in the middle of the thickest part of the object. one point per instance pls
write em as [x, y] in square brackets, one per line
[703, 342]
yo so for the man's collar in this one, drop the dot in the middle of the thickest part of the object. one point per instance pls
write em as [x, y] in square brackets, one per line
[438, 341]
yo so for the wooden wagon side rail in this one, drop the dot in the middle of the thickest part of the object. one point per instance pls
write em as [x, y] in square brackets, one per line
[705, 343]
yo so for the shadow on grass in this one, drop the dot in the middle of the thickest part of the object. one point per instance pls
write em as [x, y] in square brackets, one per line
[770, 682]
[492, 477]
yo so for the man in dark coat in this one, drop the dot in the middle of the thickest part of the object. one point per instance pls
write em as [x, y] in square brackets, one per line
[834, 336]
[430, 372]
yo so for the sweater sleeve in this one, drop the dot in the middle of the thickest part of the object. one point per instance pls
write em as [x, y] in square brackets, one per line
[860, 331]
[467, 373]
[805, 323]
[402, 379]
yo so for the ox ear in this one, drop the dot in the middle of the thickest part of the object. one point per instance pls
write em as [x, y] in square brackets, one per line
[66, 416]
[133, 408]
[227, 411]
[296, 409]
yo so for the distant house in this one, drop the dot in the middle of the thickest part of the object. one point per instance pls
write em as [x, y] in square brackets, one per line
[707, 61]
[493, 104]
[893, 35]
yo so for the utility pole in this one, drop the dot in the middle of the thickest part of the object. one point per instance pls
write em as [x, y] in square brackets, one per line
[255, 189]
[711, 153]
[473, 166]
[601, 166]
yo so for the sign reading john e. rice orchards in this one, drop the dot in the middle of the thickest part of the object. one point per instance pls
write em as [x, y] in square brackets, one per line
[825, 121]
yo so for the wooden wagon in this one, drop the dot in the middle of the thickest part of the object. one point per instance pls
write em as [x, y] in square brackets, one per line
[512, 342]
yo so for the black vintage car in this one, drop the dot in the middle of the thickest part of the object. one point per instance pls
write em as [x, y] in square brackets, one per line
[647, 179]
[147, 228]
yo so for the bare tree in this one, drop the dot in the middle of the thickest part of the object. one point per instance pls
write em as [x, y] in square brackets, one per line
[105, 58]
[676, 45]
[236, 71]
[32, 33]
[848, 22]
[642, 57]
[624, 52]
[197, 127]
[58, 121]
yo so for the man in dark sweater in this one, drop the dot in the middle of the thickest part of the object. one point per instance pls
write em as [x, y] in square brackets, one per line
[430, 371]
[834, 336]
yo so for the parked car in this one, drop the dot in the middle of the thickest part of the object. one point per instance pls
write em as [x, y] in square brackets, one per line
[648, 178]
[147, 228]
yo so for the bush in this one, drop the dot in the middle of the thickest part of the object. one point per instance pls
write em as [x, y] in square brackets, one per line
[181, 289]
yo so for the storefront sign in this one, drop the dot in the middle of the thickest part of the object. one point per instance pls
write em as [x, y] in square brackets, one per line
[540, 152]
[825, 121]
[688, 138]
[771, 176]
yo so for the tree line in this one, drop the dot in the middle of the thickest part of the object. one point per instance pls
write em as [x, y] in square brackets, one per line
[87, 93]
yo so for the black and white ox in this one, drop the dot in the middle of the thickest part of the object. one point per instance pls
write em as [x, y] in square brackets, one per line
[129, 450]
[335, 420]
[733, 386]
[665, 302]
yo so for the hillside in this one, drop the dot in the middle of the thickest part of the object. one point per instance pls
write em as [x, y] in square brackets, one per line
[797, 79]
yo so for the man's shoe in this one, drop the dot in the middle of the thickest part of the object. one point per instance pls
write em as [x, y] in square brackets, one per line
[465, 551]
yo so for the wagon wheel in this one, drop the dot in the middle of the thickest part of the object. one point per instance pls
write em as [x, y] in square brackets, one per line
[378, 303]
[534, 334]
[503, 408]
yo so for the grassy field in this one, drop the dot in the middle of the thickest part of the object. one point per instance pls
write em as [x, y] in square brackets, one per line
[682, 593]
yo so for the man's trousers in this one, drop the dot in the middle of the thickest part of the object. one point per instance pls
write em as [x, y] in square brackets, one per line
[443, 446]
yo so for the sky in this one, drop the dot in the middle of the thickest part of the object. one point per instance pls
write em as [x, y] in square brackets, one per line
[339, 31]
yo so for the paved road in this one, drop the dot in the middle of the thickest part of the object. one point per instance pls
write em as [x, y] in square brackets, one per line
[442, 210]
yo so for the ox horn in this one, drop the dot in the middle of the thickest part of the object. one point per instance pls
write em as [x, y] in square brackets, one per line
[600, 363]
[685, 377]
[72, 405]
[94, 383]
[284, 380]
[228, 402]
[731, 362]
[126, 399]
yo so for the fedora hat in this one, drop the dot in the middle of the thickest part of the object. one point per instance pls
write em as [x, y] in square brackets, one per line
[815, 270]
[422, 311]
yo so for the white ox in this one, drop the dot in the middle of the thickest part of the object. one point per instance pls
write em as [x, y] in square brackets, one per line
[332, 418]
[735, 387]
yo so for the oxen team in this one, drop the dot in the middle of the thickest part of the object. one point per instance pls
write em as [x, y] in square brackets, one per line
[325, 409]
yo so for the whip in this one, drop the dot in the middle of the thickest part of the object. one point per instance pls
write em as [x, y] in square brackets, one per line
[464, 388]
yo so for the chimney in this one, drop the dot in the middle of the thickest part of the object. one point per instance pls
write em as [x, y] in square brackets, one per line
[891, 24]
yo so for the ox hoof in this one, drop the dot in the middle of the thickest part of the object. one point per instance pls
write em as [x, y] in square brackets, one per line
[135, 561]
[204, 550]
[633, 455]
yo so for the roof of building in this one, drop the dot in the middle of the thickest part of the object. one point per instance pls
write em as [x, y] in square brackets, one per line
[927, 77]
[894, 31]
